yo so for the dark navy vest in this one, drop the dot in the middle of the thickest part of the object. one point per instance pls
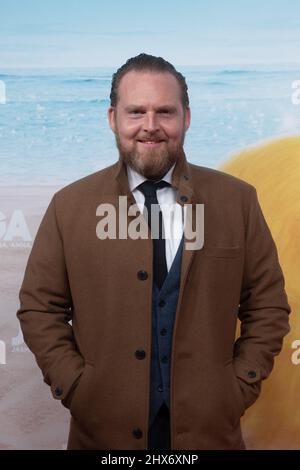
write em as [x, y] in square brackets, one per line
[164, 304]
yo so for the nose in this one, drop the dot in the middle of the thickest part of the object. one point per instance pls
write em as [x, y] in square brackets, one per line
[150, 123]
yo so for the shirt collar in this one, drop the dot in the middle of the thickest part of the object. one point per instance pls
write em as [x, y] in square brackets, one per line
[135, 178]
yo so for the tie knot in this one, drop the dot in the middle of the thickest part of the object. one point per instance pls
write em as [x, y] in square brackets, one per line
[149, 188]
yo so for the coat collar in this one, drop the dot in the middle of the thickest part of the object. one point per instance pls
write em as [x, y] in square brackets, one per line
[135, 179]
[181, 180]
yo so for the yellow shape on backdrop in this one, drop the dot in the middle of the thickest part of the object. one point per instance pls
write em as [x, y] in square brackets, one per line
[273, 422]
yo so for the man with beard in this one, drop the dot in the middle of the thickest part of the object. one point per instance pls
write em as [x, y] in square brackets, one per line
[150, 360]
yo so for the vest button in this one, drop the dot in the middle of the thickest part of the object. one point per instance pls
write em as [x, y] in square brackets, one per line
[163, 332]
[251, 374]
[138, 433]
[160, 388]
[142, 275]
[162, 303]
[140, 354]
[164, 359]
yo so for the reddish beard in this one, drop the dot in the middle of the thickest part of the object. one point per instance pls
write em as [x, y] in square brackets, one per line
[153, 163]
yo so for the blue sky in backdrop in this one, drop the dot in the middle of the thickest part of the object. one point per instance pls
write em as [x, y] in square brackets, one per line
[92, 33]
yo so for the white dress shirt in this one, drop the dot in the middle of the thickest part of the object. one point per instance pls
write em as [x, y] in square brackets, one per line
[171, 211]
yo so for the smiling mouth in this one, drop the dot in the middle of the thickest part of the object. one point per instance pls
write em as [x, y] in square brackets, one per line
[150, 143]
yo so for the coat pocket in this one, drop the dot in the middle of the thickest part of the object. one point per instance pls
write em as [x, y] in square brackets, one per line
[222, 251]
[249, 378]
[237, 398]
[79, 401]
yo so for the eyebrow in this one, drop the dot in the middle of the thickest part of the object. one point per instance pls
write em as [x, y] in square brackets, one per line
[142, 108]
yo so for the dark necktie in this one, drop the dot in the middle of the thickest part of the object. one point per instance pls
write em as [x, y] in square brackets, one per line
[160, 271]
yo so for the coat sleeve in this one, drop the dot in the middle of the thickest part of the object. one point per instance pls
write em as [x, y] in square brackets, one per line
[46, 309]
[264, 309]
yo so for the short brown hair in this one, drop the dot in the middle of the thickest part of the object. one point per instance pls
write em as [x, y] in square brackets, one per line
[146, 62]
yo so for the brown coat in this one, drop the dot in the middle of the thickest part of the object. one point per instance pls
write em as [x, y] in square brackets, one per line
[91, 365]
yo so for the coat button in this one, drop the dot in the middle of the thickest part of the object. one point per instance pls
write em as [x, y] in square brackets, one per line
[160, 388]
[162, 303]
[164, 359]
[140, 354]
[142, 275]
[163, 331]
[251, 374]
[184, 198]
[138, 433]
[58, 391]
